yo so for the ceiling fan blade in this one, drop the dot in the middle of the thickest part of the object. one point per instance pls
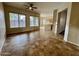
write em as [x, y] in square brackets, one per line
[31, 5]
[34, 7]
[26, 8]
[26, 5]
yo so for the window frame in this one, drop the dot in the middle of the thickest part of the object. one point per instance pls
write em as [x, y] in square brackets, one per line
[10, 20]
[18, 19]
[35, 20]
[25, 20]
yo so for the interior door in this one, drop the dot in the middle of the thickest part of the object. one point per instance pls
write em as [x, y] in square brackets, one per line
[62, 16]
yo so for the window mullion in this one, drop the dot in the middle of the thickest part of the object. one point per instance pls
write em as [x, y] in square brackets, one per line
[18, 21]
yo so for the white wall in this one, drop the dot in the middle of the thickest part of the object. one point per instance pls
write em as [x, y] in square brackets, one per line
[2, 26]
[74, 24]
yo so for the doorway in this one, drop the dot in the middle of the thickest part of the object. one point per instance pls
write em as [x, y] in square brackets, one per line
[62, 16]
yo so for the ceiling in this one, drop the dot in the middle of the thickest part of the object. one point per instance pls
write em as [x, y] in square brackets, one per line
[44, 8]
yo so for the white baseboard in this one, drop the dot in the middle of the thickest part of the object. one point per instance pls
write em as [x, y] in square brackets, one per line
[0, 52]
[1, 47]
[73, 43]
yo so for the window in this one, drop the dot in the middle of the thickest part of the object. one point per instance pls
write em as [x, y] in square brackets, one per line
[31, 21]
[17, 20]
[22, 20]
[13, 20]
[34, 21]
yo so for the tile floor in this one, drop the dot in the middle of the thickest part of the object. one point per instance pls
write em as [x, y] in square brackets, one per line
[38, 43]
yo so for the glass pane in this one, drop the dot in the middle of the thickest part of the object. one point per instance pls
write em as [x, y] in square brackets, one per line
[22, 20]
[31, 21]
[36, 21]
[13, 20]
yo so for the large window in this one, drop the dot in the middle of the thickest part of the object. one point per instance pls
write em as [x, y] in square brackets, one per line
[13, 20]
[34, 21]
[22, 20]
[17, 20]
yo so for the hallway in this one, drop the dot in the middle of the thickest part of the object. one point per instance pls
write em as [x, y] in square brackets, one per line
[38, 43]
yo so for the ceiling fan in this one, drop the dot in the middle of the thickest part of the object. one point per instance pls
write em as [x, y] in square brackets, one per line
[30, 6]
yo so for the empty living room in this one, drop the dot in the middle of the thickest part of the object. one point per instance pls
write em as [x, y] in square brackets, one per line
[39, 28]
